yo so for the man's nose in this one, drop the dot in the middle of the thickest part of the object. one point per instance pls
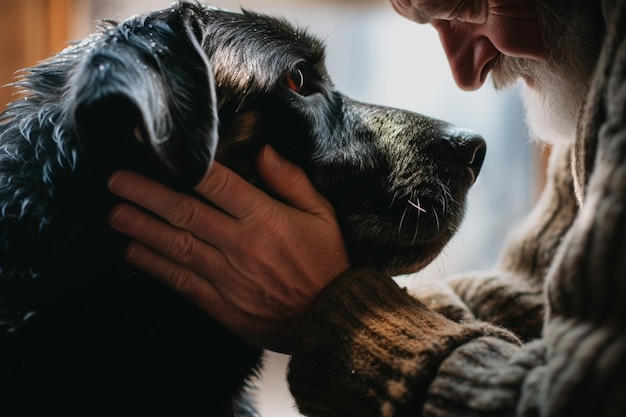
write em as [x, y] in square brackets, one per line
[470, 53]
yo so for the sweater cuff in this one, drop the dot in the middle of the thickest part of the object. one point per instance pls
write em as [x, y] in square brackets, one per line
[368, 348]
[483, 377]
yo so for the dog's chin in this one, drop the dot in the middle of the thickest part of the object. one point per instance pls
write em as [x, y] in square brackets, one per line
[397, 260]
[404, 247]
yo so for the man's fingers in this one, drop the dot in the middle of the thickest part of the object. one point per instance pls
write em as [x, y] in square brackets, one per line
[176, 244]
[179, 209]
[290, 182]
[230, 192]
[196, 288]
[227, 190]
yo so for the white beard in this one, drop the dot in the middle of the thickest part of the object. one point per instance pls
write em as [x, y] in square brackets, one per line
[552, 106]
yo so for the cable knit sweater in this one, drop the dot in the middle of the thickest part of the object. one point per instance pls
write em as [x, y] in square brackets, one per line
[369, 348]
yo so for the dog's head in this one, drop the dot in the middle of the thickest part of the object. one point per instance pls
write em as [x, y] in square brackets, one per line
[190, 84]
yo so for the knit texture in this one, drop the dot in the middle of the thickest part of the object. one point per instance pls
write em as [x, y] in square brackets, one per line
[368, 348]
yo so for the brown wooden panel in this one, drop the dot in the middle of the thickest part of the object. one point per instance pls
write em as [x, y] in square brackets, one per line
[29, 32]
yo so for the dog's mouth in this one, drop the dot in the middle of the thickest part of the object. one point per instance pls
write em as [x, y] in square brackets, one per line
[404, 222]
[404, 240]
[407, 235]
[433, 207]
[413, 209]
[421, 221]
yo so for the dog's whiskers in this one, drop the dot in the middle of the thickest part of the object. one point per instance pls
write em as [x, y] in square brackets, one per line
[417, 206]
[393, 200]
[448, 202]
[437, 220]
[417, 228]
[402, 220]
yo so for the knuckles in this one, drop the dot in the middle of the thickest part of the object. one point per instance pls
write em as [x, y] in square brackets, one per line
[182, 247]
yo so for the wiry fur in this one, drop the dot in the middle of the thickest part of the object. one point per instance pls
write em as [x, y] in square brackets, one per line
[82, 332]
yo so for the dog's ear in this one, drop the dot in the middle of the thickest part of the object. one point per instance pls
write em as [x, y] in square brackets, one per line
[150, 80]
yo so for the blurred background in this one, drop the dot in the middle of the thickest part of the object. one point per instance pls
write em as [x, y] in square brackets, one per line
[373, 55]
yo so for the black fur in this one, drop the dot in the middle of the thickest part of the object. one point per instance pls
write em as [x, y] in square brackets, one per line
[83, 333]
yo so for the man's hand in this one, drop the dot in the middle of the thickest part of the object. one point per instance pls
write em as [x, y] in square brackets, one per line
[257, 265]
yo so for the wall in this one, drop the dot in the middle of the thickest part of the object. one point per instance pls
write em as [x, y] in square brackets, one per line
[31, 30]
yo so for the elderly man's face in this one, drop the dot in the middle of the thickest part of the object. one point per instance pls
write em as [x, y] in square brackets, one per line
[475, 34]
[506, 38]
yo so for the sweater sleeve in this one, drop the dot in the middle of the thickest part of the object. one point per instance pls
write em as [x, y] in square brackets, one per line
[368, 348]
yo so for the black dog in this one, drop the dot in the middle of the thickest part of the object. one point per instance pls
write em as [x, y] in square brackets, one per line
[80, 331]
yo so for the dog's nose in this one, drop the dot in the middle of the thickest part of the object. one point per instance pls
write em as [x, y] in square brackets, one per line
[469, 147]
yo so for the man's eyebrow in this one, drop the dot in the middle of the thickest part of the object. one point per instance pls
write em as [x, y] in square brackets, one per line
[425, 11]
[421, 17]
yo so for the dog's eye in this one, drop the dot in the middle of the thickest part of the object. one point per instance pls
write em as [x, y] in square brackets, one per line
[295, 79]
